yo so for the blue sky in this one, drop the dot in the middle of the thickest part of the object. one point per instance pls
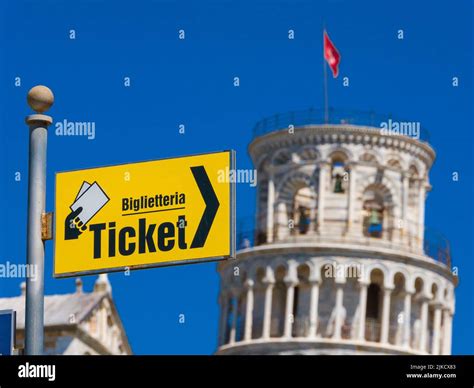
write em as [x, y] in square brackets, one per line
[191, 82]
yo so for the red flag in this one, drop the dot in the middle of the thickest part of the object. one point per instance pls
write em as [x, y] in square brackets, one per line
[331, 55]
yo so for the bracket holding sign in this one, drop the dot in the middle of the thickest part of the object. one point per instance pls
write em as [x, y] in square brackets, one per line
[47, 226]
[147, 214]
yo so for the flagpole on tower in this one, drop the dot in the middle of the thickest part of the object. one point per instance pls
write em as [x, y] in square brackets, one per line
[333, 58]
[325, 82]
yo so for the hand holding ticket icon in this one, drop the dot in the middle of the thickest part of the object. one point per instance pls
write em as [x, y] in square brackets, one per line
[73, 226]
[89, 200]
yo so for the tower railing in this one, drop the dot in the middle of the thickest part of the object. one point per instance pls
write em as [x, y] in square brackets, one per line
[301, 328]
[316, 116]
[433, 244]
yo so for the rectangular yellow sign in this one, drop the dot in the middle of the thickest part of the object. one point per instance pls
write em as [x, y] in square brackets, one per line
[147, 214]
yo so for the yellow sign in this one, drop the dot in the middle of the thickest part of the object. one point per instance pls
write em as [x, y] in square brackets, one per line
[147, 214]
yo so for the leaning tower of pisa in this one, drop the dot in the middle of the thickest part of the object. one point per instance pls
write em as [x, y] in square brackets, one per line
[338, 260]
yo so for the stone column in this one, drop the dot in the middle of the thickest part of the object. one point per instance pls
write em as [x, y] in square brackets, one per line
[407, 319]
[313, 308]
[290, 299]
[447, 330]
[362, 310]
[323, 168]
[270, 207]
[235, 303]
[405, 186]
[351, 197]
[248, 310]
[421, 213]
[424, 323]
[267, 314]
[225, 309]
[282, 230]
[339, 304]
[385, 315]
[436, 329]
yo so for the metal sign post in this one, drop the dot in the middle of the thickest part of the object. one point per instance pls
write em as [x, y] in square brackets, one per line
[40, 99]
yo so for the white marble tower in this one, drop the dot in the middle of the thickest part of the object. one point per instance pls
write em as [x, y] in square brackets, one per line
[339, 261]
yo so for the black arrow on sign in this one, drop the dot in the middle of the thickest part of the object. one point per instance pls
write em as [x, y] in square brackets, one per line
[212, 204]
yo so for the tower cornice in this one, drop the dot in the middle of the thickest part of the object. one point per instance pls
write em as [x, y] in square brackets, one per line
[339, 134]
[337, 249]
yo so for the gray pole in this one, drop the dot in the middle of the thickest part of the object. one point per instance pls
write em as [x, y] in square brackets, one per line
[40, 99]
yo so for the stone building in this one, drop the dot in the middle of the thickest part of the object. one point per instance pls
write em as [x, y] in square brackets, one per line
[339, 260]
[80, 323]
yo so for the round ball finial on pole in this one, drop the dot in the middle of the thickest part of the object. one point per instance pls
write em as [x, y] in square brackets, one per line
[40, 98]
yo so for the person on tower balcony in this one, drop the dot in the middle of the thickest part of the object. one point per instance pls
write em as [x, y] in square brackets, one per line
[305, 220]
